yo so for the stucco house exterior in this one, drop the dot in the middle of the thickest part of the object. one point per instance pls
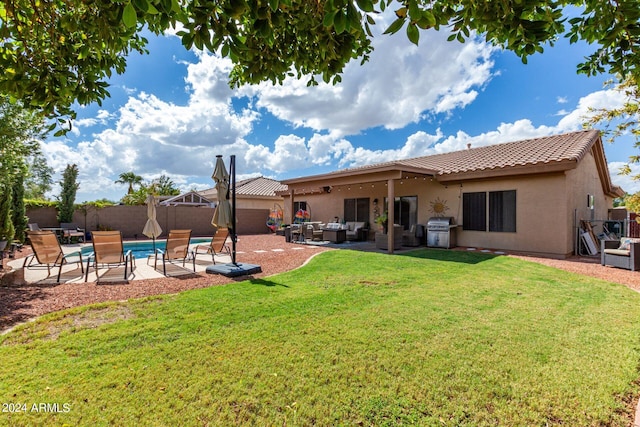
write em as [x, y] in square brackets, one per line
[519, 196]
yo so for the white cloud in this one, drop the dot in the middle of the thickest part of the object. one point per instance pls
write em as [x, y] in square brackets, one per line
[400, 83]
[151, 136]
[422, 143]
[626, 182]
[595, 100]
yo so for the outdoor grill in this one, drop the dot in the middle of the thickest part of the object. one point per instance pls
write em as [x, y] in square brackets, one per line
[441, 232]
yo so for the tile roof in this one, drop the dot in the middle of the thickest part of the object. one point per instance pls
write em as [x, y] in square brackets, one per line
[537, 155]
[256, 187]
[259, 186]
[568, 147]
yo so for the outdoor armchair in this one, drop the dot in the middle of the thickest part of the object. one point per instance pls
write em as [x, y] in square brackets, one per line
[108, 250]
[48, 252]
[624, 253]
[177, 249]
[217, 246]
[71, 230]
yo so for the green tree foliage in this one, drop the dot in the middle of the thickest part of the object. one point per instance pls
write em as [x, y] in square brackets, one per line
[68, 194]
[58, 52]
[18, 209]
[164, 186]
[7, 229]
[20, 133]
[138, 197]
[39, 179]
[129, 178]
[39, 203]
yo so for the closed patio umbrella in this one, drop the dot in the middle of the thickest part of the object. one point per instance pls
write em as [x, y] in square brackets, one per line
[225, 217]
[222, 214]
[151, 228]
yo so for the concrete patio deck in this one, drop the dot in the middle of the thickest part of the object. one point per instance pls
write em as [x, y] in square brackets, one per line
[143, 267]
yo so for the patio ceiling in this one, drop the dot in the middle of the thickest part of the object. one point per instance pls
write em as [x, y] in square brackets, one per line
[365, 175]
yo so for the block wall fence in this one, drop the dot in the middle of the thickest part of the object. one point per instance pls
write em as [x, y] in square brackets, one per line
[130, 220]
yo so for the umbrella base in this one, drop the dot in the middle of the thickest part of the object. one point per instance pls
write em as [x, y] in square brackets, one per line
[234, 270]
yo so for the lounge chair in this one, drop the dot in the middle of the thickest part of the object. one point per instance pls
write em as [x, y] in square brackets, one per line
[177, 249]
[108, 250]
[34, 227]
[217, 246]
[48, 252]
[71, 230]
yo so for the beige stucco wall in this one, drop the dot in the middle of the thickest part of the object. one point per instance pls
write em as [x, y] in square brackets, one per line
[258, 202]
[583, 181]
[541, 213]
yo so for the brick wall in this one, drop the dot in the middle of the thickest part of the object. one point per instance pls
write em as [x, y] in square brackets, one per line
[131, 219]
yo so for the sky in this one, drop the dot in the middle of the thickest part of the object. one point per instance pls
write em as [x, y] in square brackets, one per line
[172, 112]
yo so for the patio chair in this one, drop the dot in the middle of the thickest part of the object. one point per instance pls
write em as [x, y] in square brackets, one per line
[217, 246]
[108, 250]
[71, 230]
[48, 252]
[623, 253]
[177, 249]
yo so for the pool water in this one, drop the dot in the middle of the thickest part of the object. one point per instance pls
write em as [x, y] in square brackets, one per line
[144, 249]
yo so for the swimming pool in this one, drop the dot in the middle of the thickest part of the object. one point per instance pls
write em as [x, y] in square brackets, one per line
[144, 249]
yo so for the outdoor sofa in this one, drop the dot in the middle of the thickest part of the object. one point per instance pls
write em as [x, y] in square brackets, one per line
[624, 253]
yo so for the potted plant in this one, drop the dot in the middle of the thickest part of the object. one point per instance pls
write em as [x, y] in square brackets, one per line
[382, 220]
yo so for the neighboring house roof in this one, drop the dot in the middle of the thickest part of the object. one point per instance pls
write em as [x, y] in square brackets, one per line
[540, 155]
[191, 198]
[259, 187]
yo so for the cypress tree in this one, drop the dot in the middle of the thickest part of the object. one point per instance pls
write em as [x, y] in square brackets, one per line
[68, 194]
[18, 210]
[6, 223]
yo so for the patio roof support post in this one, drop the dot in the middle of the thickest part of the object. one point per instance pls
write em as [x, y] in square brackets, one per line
[291, 212]
[391, 197]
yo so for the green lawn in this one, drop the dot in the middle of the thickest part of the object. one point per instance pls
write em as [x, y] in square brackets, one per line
[433, 338]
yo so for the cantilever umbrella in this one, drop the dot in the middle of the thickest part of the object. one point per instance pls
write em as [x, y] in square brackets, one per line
[151, 228]
[225, 217]
[222, 214]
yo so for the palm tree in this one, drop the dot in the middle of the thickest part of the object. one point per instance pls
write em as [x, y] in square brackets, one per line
[129, 178]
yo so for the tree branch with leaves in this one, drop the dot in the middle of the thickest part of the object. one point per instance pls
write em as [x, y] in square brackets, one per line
[621, 121]
[59, 52]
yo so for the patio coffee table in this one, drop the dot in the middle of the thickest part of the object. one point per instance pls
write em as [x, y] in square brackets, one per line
[333, 235]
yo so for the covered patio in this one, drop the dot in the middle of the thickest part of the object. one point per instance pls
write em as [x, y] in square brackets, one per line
[380, 184]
